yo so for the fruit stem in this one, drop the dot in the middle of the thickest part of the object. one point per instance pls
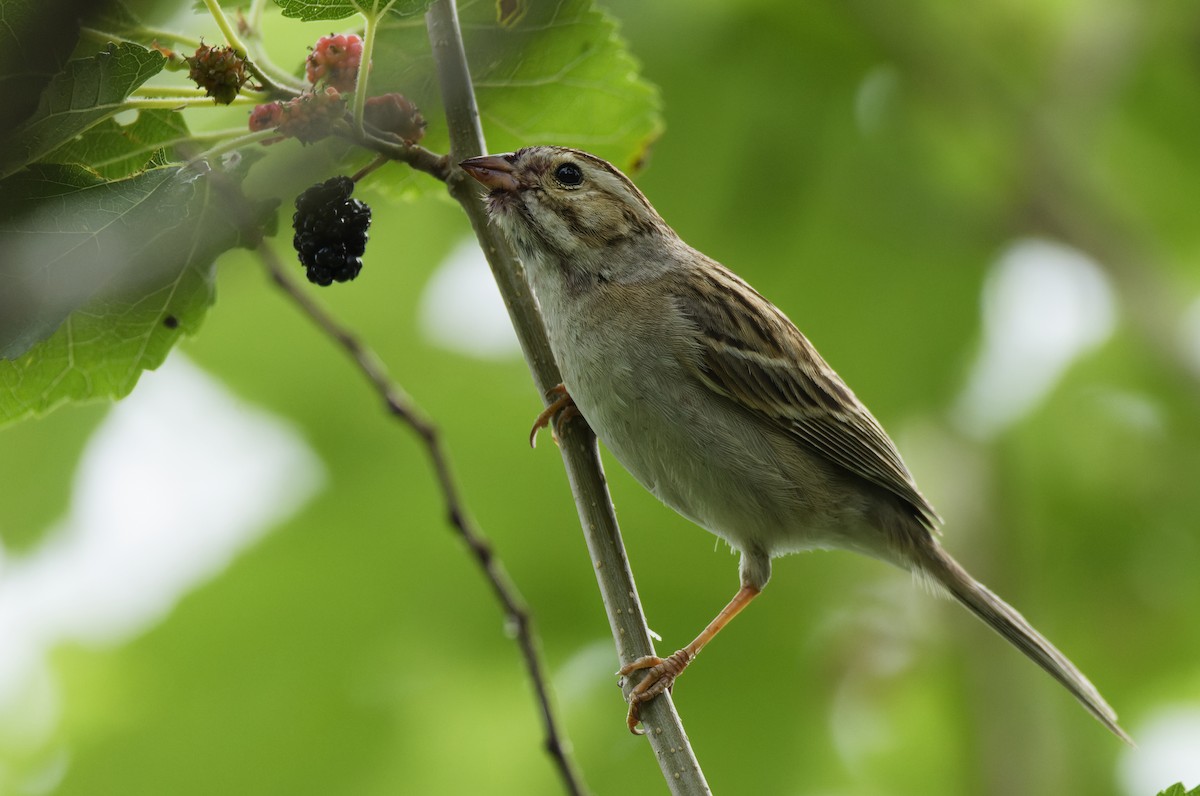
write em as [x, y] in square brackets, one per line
[370, 28]
[227, 30]
[370, 167]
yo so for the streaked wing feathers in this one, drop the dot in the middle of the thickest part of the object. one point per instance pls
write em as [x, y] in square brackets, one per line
[762, 361]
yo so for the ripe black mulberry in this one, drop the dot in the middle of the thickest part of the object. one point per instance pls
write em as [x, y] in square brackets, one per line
[331, 231]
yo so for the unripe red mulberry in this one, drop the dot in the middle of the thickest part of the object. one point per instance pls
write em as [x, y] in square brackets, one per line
[307, 118]
[335, 60]
[310, 117]
[266, 117]
[395, 113]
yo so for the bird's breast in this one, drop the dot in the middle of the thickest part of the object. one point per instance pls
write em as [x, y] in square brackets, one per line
[623, 350]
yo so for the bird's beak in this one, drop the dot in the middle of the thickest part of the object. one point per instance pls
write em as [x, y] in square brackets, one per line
[493, 171]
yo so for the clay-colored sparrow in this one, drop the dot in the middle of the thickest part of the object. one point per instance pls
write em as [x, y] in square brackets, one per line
[715, 402]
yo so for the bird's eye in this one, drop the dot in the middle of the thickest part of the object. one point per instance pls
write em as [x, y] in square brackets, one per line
[569, 175]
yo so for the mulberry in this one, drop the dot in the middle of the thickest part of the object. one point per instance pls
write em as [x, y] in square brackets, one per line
[331, 231]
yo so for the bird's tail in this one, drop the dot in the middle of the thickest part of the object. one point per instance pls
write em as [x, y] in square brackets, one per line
[1005, 620]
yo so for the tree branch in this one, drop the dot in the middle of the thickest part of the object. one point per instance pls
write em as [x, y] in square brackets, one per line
[578, 446]
[402, 407]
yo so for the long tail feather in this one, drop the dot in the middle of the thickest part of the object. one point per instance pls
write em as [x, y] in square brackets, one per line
[1005, 620]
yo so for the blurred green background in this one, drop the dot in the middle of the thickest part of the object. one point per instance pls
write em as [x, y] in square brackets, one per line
[984, 217]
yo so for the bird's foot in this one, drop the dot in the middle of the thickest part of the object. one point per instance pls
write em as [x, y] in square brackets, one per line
[660, 678]
[563, 405]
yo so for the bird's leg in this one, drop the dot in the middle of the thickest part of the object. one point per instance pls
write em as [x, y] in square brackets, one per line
[563, 405]
[663, 671]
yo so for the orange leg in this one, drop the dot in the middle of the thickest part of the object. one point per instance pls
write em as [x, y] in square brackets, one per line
[663, 671]
[563, 405]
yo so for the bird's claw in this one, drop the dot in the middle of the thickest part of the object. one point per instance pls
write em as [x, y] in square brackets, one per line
[660, 677]
[563, 405]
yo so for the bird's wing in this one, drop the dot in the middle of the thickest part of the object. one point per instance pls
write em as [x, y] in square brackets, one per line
[751, 353]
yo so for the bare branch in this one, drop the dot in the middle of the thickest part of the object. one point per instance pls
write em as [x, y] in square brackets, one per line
[402, 407]
[420, 158]
[578, 446]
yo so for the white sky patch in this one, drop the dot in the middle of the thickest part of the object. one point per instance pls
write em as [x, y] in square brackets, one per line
[461, 308]
[1166, 752]
[173, 484]
[1044, 305]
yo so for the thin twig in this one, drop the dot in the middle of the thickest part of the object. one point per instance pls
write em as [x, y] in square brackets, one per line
[379, 162]
[403, 408]
[578, 446]
[136, 102]
[420, 158]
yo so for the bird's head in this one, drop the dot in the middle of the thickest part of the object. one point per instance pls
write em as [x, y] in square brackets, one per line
[562, 202]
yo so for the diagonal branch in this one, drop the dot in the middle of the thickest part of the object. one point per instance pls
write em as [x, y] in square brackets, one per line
[578, 446]
[402, 407]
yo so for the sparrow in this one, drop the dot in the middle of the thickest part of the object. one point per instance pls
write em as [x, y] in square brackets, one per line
[715, 402]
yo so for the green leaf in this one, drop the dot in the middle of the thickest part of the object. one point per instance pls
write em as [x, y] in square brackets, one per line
[1178, 790]
[117, 150]
[310, 10]
[88, 91]
[544, 73]
[107, 275]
